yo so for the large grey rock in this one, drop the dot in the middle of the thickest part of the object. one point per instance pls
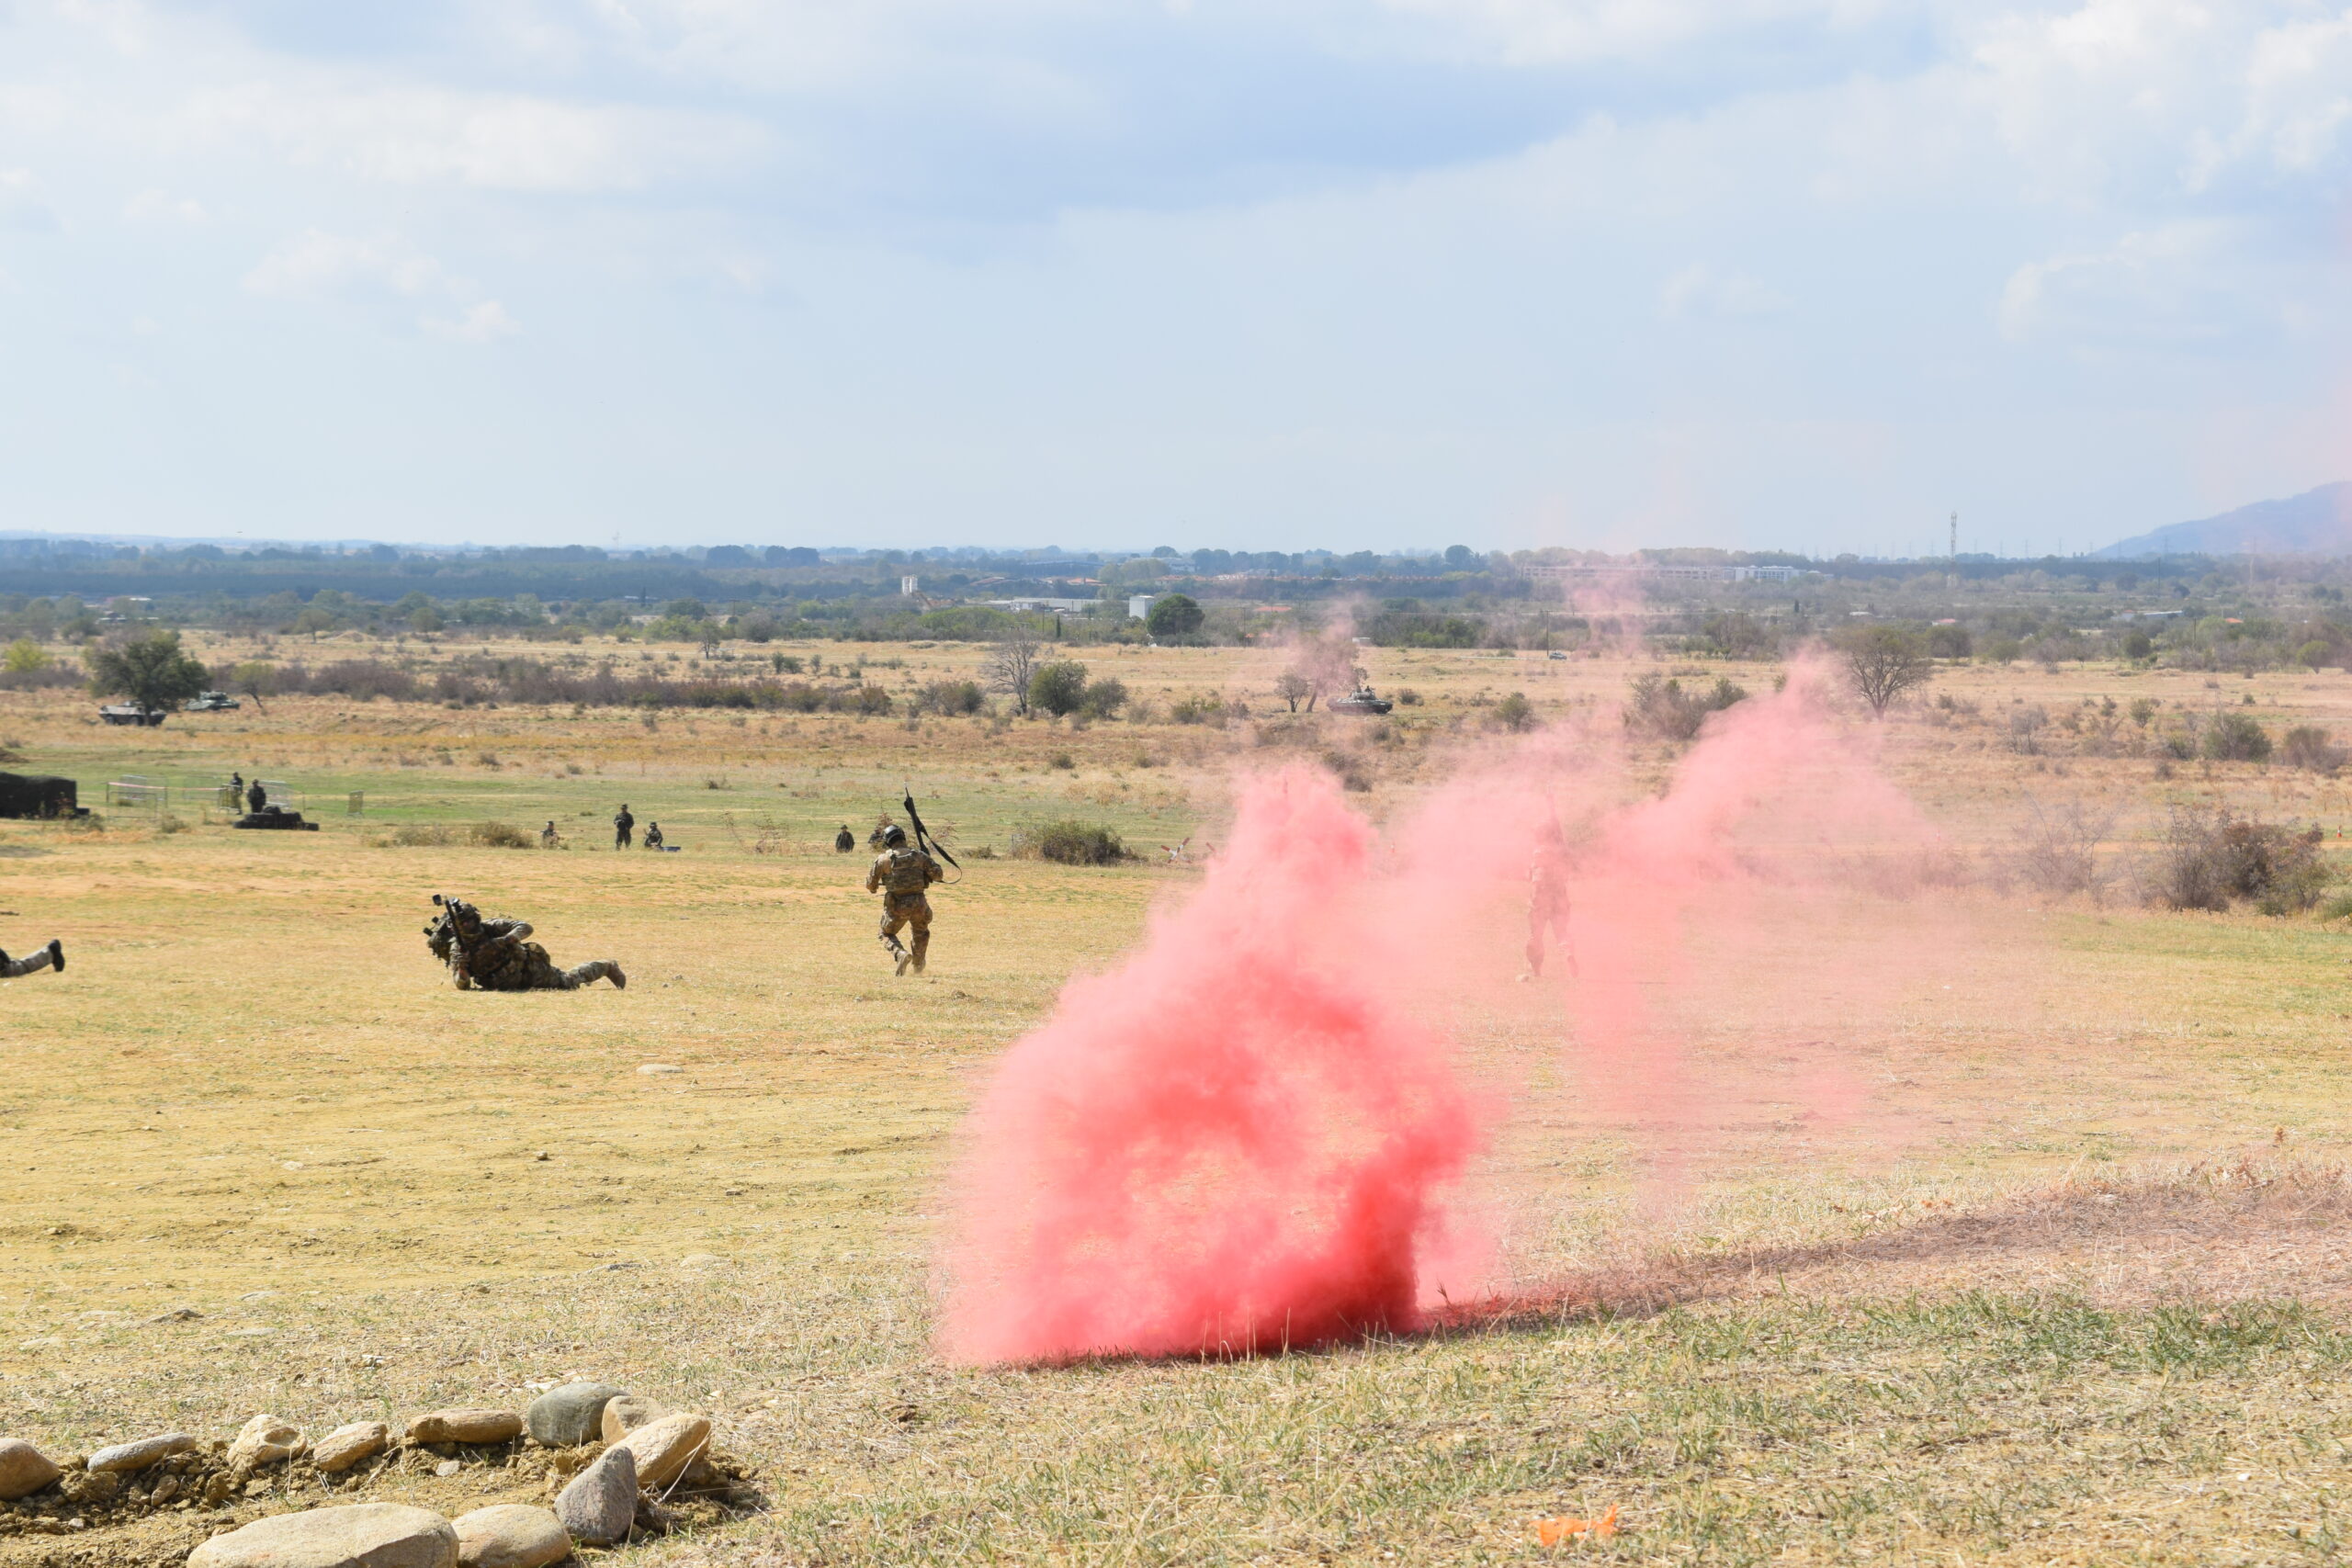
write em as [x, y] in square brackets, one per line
[139, 1455]
[599, 1505]
[367, 1535]
[664, 1447]
[24, 1469]
[346, 1445]
[465, 1427]
[567, 1417]
[625, 1412]
[265, 1439]
[511, 1535]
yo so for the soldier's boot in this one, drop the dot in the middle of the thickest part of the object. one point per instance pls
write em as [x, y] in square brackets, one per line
[922, 947]
[1535, 959]
[596, 969]
[40, 958]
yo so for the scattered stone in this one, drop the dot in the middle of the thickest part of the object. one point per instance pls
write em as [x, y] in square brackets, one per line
[363, 1535]
[599, 1504]
[625, 1412]
[703, 1261]
[141, 1454]
[511, 1535]
[89, 1485]
[664, 1447]
[265, 1439]
[655, 1069]
[217, 1490]
[465, 1427]
[346, 1445]
[570, 1414]
[448, 1468]
[176, 1314]
[24, 1469]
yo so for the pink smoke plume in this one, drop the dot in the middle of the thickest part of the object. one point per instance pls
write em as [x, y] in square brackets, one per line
[1231, 1142]
[1247, 1137]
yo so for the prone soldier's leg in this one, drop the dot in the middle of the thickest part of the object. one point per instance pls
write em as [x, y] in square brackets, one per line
[594, 970]
[50, 957]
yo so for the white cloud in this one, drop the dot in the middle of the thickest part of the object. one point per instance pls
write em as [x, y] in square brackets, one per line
[21, 205]
[1702, 290]
[1533, 32]
[160, 207]
[2183, 286]
[317, 265]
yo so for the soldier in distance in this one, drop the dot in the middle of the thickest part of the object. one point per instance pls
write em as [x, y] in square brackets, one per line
[39, 958]
[256, 798]
[653, 839]
[624, 826]
[844, 841]
[1547, 902]
[901, 874]
[548, 836]
[496, 954]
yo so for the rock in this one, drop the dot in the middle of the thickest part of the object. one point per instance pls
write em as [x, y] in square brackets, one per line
[346, 1445]
[265, 1439]
[89, 1485]
[568, 1415]
[701, 1261]
[176, 1314]
[465, 1427]
[659, 1069]
[448, 1468]
[511, 1535]
[625, 1412]
[598, 1506]
[365, 1535]
[664, 1447]
[24, 1469]
[142, 1453]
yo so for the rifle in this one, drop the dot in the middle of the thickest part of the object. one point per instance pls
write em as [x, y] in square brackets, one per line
[460, 949]
[924, 840]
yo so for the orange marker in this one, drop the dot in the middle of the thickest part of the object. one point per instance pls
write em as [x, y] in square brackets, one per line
[1551, 1532]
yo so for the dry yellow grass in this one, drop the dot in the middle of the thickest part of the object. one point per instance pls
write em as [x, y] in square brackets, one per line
[253, 1094]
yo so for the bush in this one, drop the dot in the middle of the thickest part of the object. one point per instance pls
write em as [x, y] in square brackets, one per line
[2235, 737]
[1174, 614]
[1197, 709]
[2209, 858]
[953, 697]
[1059, 686]
[1515, 713]
[1661, 708]
[1950, 642]
[1070, 843]
[1103, 698]
[2139, 645]
[2309, 747]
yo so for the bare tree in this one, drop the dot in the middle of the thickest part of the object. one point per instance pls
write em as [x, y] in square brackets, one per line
[1290, 685]
[1883, 662]
[1011, 663]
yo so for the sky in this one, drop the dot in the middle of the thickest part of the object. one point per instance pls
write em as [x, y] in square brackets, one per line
[1284, 273]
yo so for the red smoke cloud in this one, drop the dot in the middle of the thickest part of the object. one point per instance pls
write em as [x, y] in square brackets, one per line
[1245, 1138]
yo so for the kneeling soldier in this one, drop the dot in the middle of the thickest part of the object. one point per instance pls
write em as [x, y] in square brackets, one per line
[899, 873]
[496, 954]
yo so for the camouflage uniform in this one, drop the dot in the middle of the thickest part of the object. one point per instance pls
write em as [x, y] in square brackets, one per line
[500, 958]
[40, 958]
[622, 824]
[1547, 905]
[901, 874]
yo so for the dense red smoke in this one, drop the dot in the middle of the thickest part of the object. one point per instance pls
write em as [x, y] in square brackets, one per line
[1231, 1142]
[1246, 1137]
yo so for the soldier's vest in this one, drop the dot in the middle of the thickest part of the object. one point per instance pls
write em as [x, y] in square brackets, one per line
[903, 872]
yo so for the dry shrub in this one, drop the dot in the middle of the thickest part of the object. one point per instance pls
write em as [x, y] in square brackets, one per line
[483, 835]
[1070, 843]
[2235, 737]
[2309, 747]
[2058, 848]
[1662, 709]
[2209, 858]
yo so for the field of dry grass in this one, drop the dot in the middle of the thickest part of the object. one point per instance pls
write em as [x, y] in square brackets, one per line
[2069, 1288]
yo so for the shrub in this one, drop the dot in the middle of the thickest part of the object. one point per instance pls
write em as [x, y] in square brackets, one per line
[2058, 845]
[1515, 713]
[2139, 645]
[2309, 747]
[1070, 843]
[500, 836]
[953, 697]
[2026, 725]
[1059, 686]
[1950, 642]
[1660, 708]
[2208, 859]
[1196, 709]
[1104, 698]
[1174, 614]
[2235, 737]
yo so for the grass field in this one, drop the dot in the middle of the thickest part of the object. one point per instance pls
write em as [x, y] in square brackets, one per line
[2070, 1289]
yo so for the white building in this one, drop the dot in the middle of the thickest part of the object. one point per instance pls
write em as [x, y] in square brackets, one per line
[1139, 604]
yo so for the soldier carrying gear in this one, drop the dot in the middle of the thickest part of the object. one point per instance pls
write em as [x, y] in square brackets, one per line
[50, 957]
[901, 874]
[1547, 903]
[623, 826]
[496, 954]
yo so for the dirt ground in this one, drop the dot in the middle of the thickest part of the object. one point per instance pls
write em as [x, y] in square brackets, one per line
[2084, 1223]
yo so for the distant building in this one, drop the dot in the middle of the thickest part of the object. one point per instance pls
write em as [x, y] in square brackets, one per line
[1071, 606]
[1139, 604]
[907, 587]
[1763, 574]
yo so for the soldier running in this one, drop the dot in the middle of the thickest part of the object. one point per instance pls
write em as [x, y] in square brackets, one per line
[901, 874]
[624, 825]
[40, 958]
[496, 954]
[1547, 903]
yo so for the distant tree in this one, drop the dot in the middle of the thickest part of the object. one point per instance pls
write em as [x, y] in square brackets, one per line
[1460, 557]
[1883, 662]
[1174, 614]
[151, 670]
[26, 655]
[424, 620]
[2139, 645]
[685, 610]
[2236, 738]
[1950, 642]
[727, 555]
[1104, 698]
[1011, 663]
[1059, 686]
[314, 620]
[255, 678]
[1293, 688]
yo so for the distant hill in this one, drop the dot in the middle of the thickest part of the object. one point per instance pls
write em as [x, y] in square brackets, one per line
[2316, 523]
